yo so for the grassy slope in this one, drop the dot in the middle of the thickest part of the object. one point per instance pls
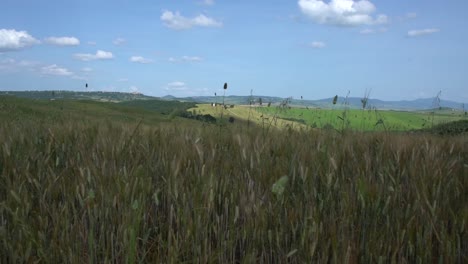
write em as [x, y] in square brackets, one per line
[164, 107]
[81, 184]
[244, 113]
[363, 120]
[150, 112]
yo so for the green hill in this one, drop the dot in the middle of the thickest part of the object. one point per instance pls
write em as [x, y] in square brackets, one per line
[72, 95]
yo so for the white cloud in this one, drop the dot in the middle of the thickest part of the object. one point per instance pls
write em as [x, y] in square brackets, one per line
[86, 69]
[63, 41]
[11, 40]
[182, 89]
[134, 90]
[369, 31]
[179, 22]
[186, 59]
[55, 70]
[139, 59]
[122, 80]
[176, 86]
[100, 55]
[318, 45]
[342, 12]
[12, 65]
[92, 43]
[192, 59]
[119, 41]
[422, 32]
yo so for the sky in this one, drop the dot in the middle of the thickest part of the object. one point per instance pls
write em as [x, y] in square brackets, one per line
[394, 50]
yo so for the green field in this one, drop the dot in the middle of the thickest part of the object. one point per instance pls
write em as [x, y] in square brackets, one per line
[362, 120]
[134, 182]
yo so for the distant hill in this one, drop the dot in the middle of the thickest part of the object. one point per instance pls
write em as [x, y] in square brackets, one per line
[352, 102]
[71, 95]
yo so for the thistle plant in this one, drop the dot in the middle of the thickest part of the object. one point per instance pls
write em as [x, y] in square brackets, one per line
[335, 99]
[250, 106]
[365, 99]
[364, 104]
[344, 115]
[224, 94]
[435, 106]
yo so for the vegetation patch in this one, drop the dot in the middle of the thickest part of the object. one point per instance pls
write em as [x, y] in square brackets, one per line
[160, 106]
[301, 121]
[450, 128]
[204, 118]
[102, 182]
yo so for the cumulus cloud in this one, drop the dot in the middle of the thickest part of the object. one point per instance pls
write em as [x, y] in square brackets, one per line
[63, 41]
[11, 40]
[342, 12]
[186, 59]
[177, 21]
[55, 70]
[100, 55]
[123, 80]
[317, 45]
[86, 69]
[119, 41]
[12, 65]
[92, 43]
[422, 32]
[176, 86]
[139, 59]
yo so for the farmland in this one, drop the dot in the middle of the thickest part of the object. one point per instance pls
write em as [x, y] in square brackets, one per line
[355, 119]
[86, 181]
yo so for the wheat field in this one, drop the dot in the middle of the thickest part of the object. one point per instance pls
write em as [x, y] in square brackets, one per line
[106, 191]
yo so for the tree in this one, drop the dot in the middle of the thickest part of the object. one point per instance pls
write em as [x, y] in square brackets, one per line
[260, 101]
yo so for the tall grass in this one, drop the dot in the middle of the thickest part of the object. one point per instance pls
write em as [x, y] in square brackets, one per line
[108, 192]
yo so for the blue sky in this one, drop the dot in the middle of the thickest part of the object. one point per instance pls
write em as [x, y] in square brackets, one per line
[310, 48]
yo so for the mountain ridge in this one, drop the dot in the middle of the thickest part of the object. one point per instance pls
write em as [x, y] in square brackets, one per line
[352, 102]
